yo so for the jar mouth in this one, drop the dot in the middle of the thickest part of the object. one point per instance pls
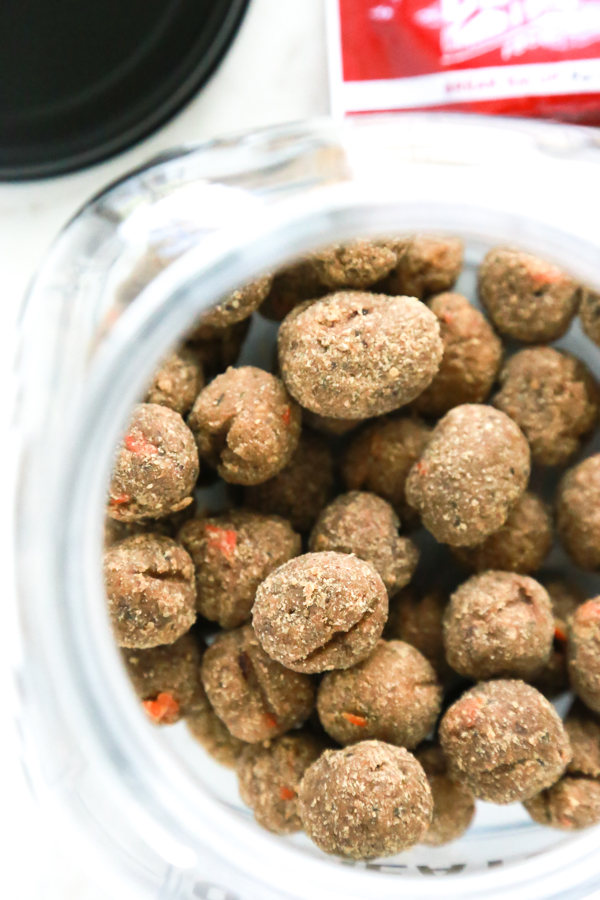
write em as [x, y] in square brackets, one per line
[147, 780]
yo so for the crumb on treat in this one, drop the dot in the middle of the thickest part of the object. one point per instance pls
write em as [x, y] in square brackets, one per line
[453, 802]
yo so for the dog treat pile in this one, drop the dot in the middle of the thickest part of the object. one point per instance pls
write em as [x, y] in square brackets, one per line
[335, 574]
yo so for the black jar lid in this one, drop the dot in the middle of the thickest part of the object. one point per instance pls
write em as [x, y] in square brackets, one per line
[82, 80]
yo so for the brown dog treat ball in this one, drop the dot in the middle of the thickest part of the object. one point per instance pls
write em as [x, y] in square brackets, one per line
[149, 582]
[206, 727]
[589, 314]
[553, 398]
[392, 696]
[292, 286]
[218, 348]
[473, 470]
[583, 728]
[177, 382]
[504, 741]
[520, 545]
[365, 801]
[527, 298]
[419, 621]
[238, 305]
[367, 526]
[570, 805]
[269, 776]
[359, 354]
[453, 802]
[498, 625]
[301, 490]
[578, 513]
[246, 425]
[583, 653]
[253, 695]
[353, 266]
[471, 360]
[321, 611]
[328, 426]
[233, 554]
[565, 597]
[167, 679]
[426, 265]
[380, 457]
[553, 678]
[156, 467]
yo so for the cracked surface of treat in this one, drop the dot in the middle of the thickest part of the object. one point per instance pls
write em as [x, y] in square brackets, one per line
[419, 620]
[365, 801]
[354, 266]
[167, 679]
[570, 805]
[292, 286]
[578, 513]
[380, 457]
[149, 582]
[218, 348]
[238, 305]
[246, 425]
[256, 697]
[358, 353]
[365, 525]
[427, 265]
[392, 696]
[156, 467]
[232, 555]
[589, 314]
[471, 473]
[471, 361]
[321, 611]
[177, 382]
[504, 741]
[301, 490]
[553, 398]
[498, 624]
[453, 802]
[269, 775]
[527, 298]
[521, 544]
[583, 653]
[213, 735]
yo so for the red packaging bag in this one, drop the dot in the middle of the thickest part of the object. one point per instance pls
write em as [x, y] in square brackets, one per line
[537, 58]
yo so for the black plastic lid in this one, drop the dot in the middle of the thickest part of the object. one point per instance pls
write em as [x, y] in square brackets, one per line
[82, 80]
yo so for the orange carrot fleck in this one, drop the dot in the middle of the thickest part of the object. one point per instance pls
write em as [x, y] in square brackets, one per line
[287, 793]
[221, 539]
[287, 415]
[162, 711]
[469, 710]
[137, 443]
[559, 633]
[421, 468]
[271, 720]
[120, 498]
[360, 721]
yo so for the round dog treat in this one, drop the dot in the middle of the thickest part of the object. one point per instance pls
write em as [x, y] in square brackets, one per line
[167, 679]
[269, 775]
[571, 804]
[156, 468]
[419, 621]
[301, 490]
[367, 526]
[354, 266]
[365, 801]
[233, 554]
[578, 513]
[177, 382]
[471, 360]
[246, 425]
[238, 305]
[320, 611]
[583, 728]
[498, 624]
[392, 696]
[292, 286]
[589, 314]
[553, 678]
[149, 582]
[380, 457]
[453, 802]
[218, 348]
[426, 265]
[207, 728]
[527, 298]
[327, 425]
[253, 695]
[520, 545]
[583, 653]
[357, 353]
[504, 741]
[472, 472]
[553, 399]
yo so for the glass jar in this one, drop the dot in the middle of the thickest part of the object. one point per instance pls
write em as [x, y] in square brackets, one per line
[124, 279]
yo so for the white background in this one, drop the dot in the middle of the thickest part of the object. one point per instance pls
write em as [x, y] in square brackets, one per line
[275, 72]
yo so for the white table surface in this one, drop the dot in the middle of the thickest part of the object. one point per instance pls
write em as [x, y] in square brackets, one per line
[274, 72]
